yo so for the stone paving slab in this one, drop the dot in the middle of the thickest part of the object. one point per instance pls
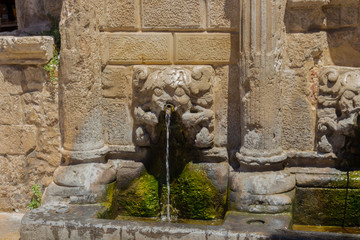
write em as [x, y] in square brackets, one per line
[10, 225]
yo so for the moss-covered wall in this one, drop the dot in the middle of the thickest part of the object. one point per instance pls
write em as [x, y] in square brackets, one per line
[337, 204]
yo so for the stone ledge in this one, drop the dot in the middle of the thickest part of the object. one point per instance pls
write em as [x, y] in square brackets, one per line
[26, 50]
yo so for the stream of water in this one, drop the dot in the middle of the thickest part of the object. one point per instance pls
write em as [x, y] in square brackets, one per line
[167, 120]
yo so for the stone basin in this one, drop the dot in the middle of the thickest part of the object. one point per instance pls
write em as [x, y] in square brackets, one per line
[81, 222]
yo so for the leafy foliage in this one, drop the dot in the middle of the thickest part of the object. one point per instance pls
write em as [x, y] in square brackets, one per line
[36, 200]
[52, 66]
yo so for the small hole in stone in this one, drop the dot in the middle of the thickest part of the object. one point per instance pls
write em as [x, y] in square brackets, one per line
[255, 222]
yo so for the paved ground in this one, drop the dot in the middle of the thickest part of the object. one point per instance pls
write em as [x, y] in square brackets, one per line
[10, 225]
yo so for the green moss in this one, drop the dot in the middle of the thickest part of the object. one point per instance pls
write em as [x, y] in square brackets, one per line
[195, 196]
[141, 198]
[352, 218]
[109, 203]
[319, 206]
[354, 179]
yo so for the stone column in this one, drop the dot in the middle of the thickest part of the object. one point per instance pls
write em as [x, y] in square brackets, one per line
[261, 48]
[80, 84]
[82, 176]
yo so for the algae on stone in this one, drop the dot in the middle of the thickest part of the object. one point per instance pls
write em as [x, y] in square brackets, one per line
[141, 198]
[319, 206]
[195, 197]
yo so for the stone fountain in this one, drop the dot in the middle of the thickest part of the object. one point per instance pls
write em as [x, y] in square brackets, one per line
[234, 160]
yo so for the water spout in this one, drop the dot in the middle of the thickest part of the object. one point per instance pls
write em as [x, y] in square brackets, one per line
[169, 108]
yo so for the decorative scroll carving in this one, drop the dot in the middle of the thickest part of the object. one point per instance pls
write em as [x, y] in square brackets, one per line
[189, 89]
[338, 110]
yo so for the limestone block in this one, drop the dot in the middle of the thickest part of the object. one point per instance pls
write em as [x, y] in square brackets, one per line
[48, 143]
[343, 48]
[320, 177]
[227, 105]
[302, 48]
[78, 195]
[116, 82]
[299, 114]
[117, 122]
[13, 170]
[140, 48]
[223, 14]
[259, 183]
[84, 175]
[276, 203]
[26, 50]
[206, 48]
[17, 139]
[34, 79]
[10, 79]
[122, 15]
[11, 111]
[30, 13]
[126, 172]
[168, 14]
[218, 173]
[33, 111]
[53, 7]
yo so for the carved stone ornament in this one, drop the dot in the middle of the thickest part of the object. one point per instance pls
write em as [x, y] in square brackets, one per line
[338, 109]
[188, 89]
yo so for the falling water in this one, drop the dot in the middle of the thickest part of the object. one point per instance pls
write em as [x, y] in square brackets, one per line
[167, 120]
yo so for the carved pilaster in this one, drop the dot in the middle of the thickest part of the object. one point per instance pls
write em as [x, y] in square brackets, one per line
[260, 63]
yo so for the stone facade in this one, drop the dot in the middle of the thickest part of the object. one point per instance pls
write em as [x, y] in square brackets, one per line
[29, 128]
[267, 93]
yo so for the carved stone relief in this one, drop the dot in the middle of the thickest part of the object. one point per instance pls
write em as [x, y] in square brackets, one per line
[338, 109]
[187, 88]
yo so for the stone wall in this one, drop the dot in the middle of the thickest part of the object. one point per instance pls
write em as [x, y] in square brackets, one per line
[29, 128]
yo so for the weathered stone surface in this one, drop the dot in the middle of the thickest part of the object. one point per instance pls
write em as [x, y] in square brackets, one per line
[204, 48]
[116, 82]
[118, 123]
[214, 155]
[126, 172]
[182, 14]
[218, 173]
[139, 48]
[223, 14]
[84, 175]
[187, 89]
[338, 111]
[302, 48]
[299, 109]
[11, 111]
[10, 79]
[260, 70]
[17, 139]
[236, 226]
[319, 206]
[32, 15]
[227, 105]
[26, 50]
[122, 15]
[48, 143]
[344, 49]
[56, 194]
[34, 79]
[259, 183]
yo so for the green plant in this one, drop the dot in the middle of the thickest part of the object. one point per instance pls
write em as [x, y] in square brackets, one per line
[52, 66]
[36, 200]
[53, 31]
